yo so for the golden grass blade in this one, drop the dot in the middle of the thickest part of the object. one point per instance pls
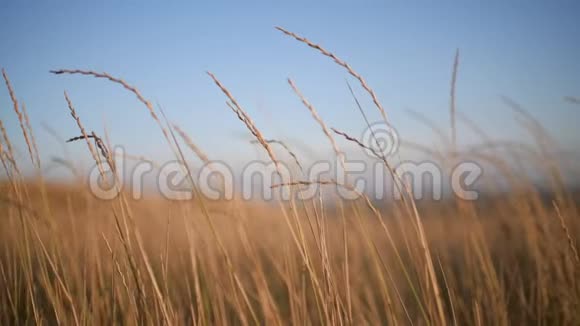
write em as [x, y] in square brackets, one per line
[571, 242]
[245, 118]
[343, 64]
[200, 154]
[18, 114]
[85, 136]
[288, 150]
[10, 152]
[452, 106]
[30, 132]
[339, 154]
[123, 83]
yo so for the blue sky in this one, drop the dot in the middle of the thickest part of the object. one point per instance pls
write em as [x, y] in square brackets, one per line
[527, 50]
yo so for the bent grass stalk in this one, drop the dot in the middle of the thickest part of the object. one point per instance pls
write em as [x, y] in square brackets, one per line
[452, 108]
[343, 64]
[16, 108]
[316, 117]
[121, 82]
[245, 118]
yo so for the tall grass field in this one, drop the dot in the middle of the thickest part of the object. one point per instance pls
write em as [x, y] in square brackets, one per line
[70, 257]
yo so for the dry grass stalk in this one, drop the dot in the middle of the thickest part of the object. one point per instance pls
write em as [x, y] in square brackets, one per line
[10, 153]
[288, 150]
[571, 242]
[305, 183]
[343, 64]
[98, 142]
[421, 118]
[380, 156]
[29, 127]
[332, 183]
[452, 107]
[319, 120]
[6, 139]
[474, 127]
[200, 154]
[3, 159]
[19, 114]
[121, 82]
[245, 118]
[85, 136]
[7, 158]
[356, 141]
[529, 122]
[359, 106]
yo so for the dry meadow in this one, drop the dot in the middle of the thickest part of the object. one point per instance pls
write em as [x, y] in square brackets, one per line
[67, 257]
